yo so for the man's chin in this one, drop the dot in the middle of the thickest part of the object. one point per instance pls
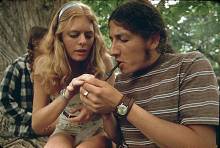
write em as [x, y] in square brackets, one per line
[125, 71]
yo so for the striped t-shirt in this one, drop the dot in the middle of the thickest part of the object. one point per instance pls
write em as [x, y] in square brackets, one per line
[180, 88]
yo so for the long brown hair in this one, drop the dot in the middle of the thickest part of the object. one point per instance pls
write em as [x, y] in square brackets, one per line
[54, 68]
[142, 18]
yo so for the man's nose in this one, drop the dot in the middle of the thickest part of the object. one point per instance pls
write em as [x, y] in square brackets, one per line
[115, 49]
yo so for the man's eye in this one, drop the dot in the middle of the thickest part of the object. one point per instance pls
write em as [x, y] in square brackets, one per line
[123, 39]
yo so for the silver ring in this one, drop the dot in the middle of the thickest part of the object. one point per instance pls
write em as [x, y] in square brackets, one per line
[85, 93]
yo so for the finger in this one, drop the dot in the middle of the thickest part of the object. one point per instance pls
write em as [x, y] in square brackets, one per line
[91, 89]
[92, 80]
[83, 92]
[85, 100]
[75, 109]
[88, 96]
[90, 108]
[85, 77]
[73, 86]
[79, 118]
[76, 82]
[90, 103]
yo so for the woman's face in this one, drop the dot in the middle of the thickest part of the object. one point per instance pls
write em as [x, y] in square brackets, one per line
[78, 38]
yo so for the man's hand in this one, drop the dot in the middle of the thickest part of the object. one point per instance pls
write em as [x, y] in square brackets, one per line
[101, 96]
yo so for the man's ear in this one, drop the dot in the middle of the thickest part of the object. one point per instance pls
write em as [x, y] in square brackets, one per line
[153, 41]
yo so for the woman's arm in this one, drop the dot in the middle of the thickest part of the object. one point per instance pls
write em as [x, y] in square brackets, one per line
[45, 114]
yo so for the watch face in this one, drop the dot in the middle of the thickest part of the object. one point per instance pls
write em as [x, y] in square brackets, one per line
[62, 92]
[122, 109]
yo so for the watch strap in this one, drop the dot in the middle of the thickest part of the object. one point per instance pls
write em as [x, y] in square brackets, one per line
[127, 102]
[131, 103]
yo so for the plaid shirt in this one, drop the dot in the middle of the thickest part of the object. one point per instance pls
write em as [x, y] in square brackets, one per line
[16, 98]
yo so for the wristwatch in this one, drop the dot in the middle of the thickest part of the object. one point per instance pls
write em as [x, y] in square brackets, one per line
[122, 109]
[124, 106]
[62, 93]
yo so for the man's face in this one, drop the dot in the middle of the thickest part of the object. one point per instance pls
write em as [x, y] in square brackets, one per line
[130, 50]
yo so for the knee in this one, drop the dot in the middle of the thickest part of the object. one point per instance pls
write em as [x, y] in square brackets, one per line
[99, 141]
[59, 141]
[56, 144]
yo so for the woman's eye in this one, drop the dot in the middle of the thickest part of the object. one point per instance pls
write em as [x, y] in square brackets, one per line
[88, 35]
[74, 34]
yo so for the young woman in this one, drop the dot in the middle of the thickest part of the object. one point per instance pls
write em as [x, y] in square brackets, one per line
[74, 46]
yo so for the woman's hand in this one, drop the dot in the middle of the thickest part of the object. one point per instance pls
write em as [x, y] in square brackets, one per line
[73, 88]
[81, 114]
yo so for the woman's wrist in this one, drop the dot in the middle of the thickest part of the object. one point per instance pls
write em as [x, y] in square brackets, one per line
[65, 94]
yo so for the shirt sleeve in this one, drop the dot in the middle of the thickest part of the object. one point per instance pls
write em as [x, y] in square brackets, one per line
[199, 95]
[20, 119]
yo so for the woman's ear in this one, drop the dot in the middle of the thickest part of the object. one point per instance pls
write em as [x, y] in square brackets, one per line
[153, 41]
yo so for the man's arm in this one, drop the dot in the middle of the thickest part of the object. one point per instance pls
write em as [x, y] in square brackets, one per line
[168, 134]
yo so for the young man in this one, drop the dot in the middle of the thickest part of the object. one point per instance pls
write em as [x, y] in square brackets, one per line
[160, 99]
[16, 91]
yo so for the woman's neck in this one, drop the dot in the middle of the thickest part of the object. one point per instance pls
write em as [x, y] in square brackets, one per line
[77, 68]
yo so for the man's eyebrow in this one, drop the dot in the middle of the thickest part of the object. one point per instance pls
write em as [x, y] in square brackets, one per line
[119, 34]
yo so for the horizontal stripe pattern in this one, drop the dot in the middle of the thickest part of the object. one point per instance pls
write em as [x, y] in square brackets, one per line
[199, 104]
[182, 89]
[199, 119]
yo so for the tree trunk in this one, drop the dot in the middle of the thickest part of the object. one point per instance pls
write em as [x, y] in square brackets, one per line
[16, 18]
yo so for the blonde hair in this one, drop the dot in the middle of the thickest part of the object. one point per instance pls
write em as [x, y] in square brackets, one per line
[53, 67]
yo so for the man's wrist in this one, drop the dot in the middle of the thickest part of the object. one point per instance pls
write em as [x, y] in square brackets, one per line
[124, 106]
[107, 115]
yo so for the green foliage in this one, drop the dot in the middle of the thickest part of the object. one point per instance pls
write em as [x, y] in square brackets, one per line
[195, 25]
